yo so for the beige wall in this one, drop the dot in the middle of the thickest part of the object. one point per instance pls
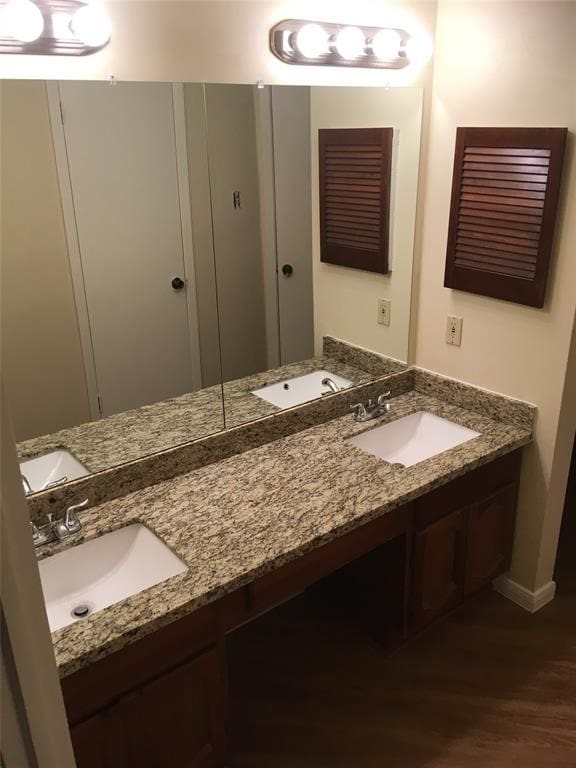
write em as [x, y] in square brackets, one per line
[41, 354]
[346, 300]
[519, 71]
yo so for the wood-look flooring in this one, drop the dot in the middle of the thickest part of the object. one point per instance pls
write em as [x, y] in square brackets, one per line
[489, 686]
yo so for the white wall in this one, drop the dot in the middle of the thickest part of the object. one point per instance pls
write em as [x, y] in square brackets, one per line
[505, 64]
[346, 300]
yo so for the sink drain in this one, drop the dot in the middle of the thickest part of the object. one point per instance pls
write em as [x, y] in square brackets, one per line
[81, 611]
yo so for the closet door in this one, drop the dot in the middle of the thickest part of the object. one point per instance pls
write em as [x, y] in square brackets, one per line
[121, 149]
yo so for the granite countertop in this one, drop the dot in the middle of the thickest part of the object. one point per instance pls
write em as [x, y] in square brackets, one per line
[142, 431]
[236, 520]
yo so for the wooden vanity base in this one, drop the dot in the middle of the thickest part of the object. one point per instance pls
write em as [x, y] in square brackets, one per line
[162, 700]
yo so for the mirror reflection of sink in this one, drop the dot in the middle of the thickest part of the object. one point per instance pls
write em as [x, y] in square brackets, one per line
[413, 438]
[98, 573]
[300, 389]
[50, 469]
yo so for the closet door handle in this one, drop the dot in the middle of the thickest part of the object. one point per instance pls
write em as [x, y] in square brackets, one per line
[177, 283]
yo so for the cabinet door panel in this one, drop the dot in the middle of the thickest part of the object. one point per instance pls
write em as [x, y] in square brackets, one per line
[490, 535]
[439, 551]
[176, 720]
[90, 740]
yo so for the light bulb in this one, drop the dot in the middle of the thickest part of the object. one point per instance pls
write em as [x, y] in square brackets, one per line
[418, 49]
[22, 20]
[350, 42]
[386, 44]
[312, 41]
[91, 25]
[61, 25]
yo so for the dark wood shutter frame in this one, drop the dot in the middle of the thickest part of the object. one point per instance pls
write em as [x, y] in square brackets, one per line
[355, 167]
[504, 200]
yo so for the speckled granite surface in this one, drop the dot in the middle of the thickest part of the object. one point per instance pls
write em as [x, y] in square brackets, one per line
[236, 520]
[240, 405]
[131, 435]
[377, 365]
[129, 477]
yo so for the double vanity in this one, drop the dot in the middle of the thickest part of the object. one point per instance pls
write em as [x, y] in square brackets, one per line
[411, 511]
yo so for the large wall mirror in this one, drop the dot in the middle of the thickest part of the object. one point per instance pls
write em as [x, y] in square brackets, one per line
[161, 274]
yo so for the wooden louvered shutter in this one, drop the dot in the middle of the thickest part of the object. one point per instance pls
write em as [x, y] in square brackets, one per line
[355, 168]
[504, 199]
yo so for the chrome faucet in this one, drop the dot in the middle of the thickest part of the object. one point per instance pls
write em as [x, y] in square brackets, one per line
[26, 484]
[328, 382]
[58, 529]
[372, 410]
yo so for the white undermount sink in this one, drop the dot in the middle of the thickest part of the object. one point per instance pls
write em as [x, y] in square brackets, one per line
[300, 389]
[412, 438]
[51, 469]
[103, 571]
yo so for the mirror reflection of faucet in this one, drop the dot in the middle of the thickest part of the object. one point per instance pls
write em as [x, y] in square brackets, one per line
[26, 484]
[328, 382]
[28, 488]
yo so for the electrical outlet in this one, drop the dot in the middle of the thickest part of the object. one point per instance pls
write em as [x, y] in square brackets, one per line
[454, 331]
[384, 308]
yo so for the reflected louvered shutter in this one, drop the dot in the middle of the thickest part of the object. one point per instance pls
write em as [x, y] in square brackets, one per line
[504, 199]
[355, 168]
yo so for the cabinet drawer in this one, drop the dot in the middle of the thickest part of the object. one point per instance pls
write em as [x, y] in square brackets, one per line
[290, 579]
[467, 489]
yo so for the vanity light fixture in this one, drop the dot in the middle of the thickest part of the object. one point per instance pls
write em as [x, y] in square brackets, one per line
[53, 27]
[21, 20]
[295, 41]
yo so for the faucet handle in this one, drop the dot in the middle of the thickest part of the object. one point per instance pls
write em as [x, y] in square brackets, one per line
[35, 532]
[360, 411]
[383, 397]
[42, 534]
[71, 520]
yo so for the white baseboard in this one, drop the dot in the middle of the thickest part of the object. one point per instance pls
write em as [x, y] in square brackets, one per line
[530, 601]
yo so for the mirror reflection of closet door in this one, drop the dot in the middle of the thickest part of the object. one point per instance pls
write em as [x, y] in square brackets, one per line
[292, 181]
[126, 180]
[258, 143]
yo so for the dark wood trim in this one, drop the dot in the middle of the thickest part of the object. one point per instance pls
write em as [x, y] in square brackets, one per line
[486, 226]
[467, 489]
[290, 579]
[362, 247]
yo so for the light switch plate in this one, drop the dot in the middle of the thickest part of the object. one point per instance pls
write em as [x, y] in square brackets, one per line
[454, 330]
[384, 309]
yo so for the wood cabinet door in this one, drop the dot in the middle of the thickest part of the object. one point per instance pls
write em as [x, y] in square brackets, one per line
[489, 539]
[89, 740]
[176, 720]
[439, 551]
